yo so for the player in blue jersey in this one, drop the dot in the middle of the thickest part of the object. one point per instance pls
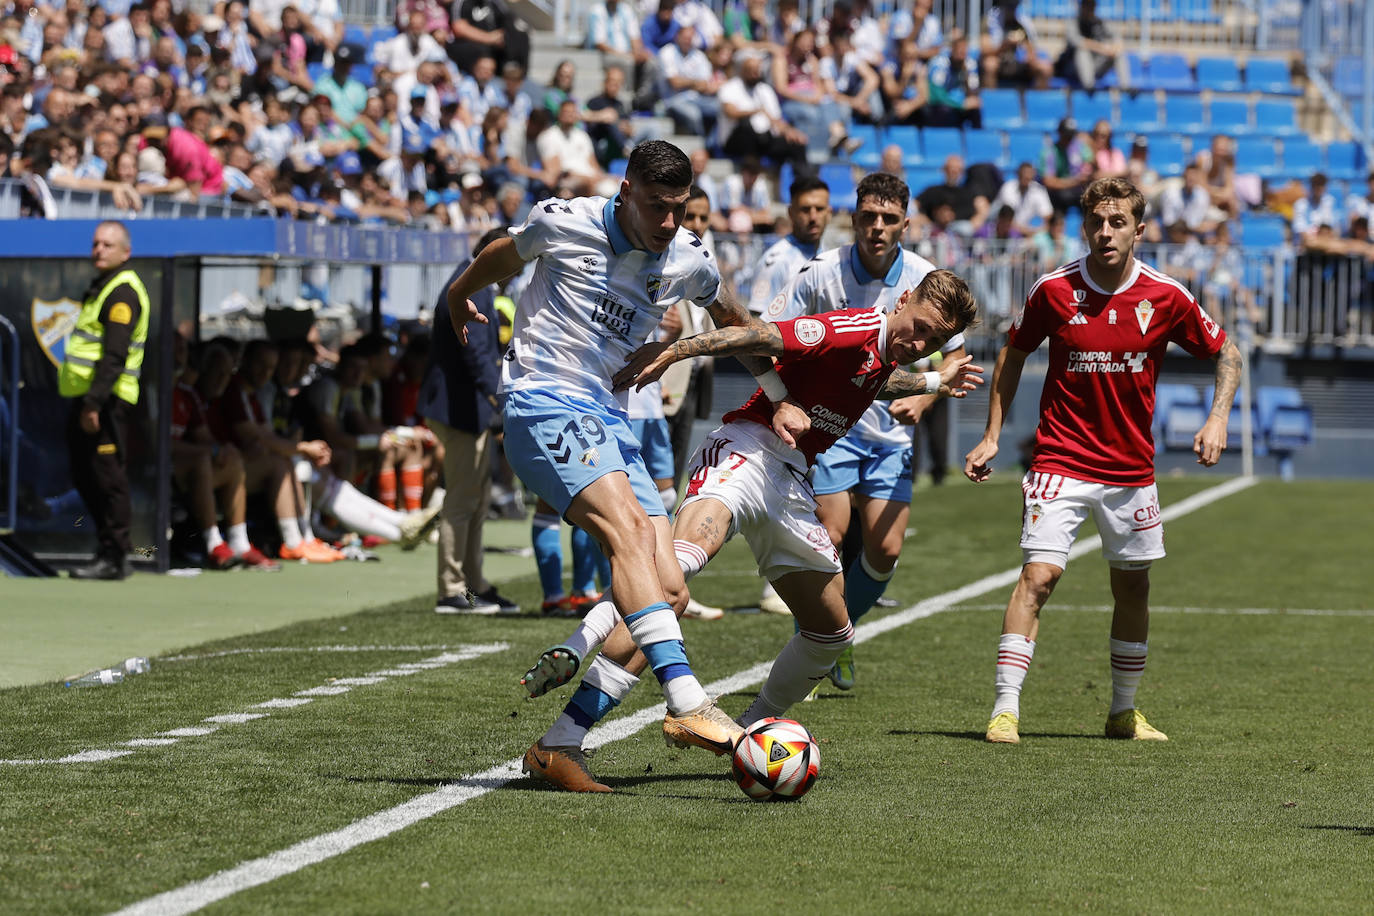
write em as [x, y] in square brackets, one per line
[606, 271]
[873, 462]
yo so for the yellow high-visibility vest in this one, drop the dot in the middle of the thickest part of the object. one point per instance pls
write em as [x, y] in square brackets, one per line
[86, 344]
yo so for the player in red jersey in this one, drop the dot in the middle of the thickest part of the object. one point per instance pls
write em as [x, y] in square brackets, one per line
[1109, 319]
[745, 479]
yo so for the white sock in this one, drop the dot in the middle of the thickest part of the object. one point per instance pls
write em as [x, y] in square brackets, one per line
[307, 530]
[212, 537]
[1014, 654]
[290, 531]
[607, 677]
[360, 514]
[669, 497]
[594, 629]
[690, 557]
[683, 694]
[238, 539]
[768, 591]
[564, 732]
[1128, 665]
[801, 663]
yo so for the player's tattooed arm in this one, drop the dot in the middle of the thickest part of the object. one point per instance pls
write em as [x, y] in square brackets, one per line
[901, 384]
[1210, 441]
[728, 312]
[957, 377]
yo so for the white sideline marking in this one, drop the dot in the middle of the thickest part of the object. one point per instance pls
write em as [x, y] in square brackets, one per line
[283, 703]
[359, 681]
[193, 896]
[235, 718]
[190, 731]
[1223, 611]
[262, 650]
[92, 756]
[327, 690]
[150, 742]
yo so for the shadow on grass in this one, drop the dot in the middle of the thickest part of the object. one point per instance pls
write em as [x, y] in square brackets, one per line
[982, 736]
[1358, 831]
[824, 697]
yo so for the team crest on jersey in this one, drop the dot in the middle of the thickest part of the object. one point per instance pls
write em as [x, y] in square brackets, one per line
[1111, 316]
[653, 286]
[1080, 296]
[1035, 512]
[1143, 313]
[590, 457]
[809, 331]
[53, 322]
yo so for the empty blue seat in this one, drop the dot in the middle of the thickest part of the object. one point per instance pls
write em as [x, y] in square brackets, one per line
[1230, 116]
[984, 146]
[1269, 398]
[1219, 74]
[1171, 72]
[1135, 65]
[1276, 117]
[908, 139]
[1291, 427]
[315, 71]
[1165, 155]
[939, 143]
[1087, 109]
[917, 180]
[1181, 424]
[1261, 231]
[870, 153]
[1195, 11]
[1348, 78]
[839, 177]
[1170, 394]
[1343, 160]
[1140, 114]
[1025, 146]
[355, 35]
[1183, 113]
[1002, 109]
[1265, 74]
[1257, 156]
[1045, 108]
[1301, 157]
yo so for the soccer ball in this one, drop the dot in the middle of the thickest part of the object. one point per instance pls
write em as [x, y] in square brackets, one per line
[776, 759]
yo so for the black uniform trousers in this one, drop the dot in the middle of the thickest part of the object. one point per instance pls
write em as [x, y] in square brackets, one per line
[98, 469]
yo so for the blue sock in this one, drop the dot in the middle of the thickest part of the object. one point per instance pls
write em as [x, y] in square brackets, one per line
[548, 554]
[666, 656]
[585, 551]
[589, 705]
[863, 586]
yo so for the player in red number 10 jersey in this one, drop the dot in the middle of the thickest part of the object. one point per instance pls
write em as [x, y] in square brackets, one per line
[1109, 319]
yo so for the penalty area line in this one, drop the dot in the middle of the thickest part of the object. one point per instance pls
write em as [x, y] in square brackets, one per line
[255, 872]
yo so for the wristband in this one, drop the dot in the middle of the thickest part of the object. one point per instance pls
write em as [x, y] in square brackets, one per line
[772, 385]
[366, 442]
[932, 382]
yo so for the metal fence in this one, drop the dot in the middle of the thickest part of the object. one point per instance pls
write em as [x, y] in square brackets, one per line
[1336, 38]
[79, 204]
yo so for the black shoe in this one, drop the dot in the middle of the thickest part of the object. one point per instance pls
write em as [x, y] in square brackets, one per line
[469, 604]
[492, 596]
[104, 568]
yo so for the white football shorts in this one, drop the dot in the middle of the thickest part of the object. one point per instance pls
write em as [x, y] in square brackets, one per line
[764, 485]
[1054, 506]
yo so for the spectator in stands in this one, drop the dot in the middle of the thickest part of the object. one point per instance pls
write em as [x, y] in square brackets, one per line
[607, 118]
[701, 178]
[1231, 193]
[969, 210]
[1139, 172]
[436, 15]
[560, 87]
[904, 84]
[488, 26]
[1027, 198]
[1068, 166]
[1053, 246]
[1108, 161]
[129, 40]
[346, 94]
[516, 97]
[566, 151]
[856, 90]
[511, 205]
[1184, 256]
[1221, 275]
[1359, 206]
[404, 53]
[1316, 209]
[659, 30]
[953, 94]
[1189, 204]
[921, 26]
[751, 122]
[749, 27]
[1092, 50]
[479, 91]
[689, 88]
[272, 141]
[613, 29]
[701, 19]
[855, 18]
[188, 155]
[746, 198]
[1011, 54]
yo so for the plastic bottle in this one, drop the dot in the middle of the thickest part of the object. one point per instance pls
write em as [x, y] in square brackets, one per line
[101, 677]
[136, 665]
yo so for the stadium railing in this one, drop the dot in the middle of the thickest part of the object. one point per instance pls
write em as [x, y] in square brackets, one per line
[78, 204]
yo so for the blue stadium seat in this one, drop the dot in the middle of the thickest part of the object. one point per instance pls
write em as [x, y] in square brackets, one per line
[1276, 117]
[1002, 109]
[315, 71]
[1169, 395]
[1344, 160]
[1257, 156]
[1183, 114]
[1045, 108]
[1166, 156]
[1135, 65]
[1025, 146]
[984, 146]
[1219, 74]
[909, 140]
[939, 143]
[1087, 109]
[1261, 231]
[871, 152]
[1231, 116]
[1291, 427]
[1181, 424]
[1140, 113]
[1269, 398]
[839, 176]
[1301, 157]
[917, 180]
[1348, 78]
[355, 35]
[364, 75]
[1265, 74]
[1195, 11]
[1171, 72]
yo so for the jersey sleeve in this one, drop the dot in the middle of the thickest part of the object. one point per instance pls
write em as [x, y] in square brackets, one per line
[797, 297]
[1031, 327]
[1195, 330]
[809, 334]
[703, 279]
[542, 228]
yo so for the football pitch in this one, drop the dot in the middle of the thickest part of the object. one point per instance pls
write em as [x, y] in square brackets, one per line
[368, 763]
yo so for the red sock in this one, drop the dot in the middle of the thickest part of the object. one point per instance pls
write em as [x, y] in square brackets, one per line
[386, 487]
[413, 485]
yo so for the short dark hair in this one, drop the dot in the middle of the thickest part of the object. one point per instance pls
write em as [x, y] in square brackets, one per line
[805, 183]
[491, 235]
[884, 187]
[372, 343]
[1114, 189]
[255, 348]
[659, 162]
[696, 193]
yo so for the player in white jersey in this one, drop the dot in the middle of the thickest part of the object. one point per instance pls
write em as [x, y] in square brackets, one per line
[874, 460]
[606, 271]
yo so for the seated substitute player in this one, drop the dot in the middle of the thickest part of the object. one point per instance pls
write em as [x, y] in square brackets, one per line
[606, 271]
[1109, 319]
[745, 479]
[874, 461]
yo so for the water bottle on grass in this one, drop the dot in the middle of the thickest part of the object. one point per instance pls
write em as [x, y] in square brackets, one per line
[101, 677]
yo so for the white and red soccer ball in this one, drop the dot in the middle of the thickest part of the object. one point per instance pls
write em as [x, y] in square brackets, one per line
[776, 759]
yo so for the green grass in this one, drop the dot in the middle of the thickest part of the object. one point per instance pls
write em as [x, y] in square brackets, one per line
[1260, 802]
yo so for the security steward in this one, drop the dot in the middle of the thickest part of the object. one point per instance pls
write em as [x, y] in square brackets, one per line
[104, 358]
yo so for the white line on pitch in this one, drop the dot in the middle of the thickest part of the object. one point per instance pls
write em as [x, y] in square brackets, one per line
[1222, 611]
[264, 650]
[191, 897]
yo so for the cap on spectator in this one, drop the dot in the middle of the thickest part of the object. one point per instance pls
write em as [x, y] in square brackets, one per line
[419, 92]
[431, 198]
[1068, 124]
[450, 195]
[1140, 142]
[471, 180]
[150, 159]
[211, 23]
[344, 54]
[348, 163]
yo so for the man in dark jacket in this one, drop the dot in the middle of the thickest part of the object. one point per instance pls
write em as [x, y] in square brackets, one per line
[458, 402]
